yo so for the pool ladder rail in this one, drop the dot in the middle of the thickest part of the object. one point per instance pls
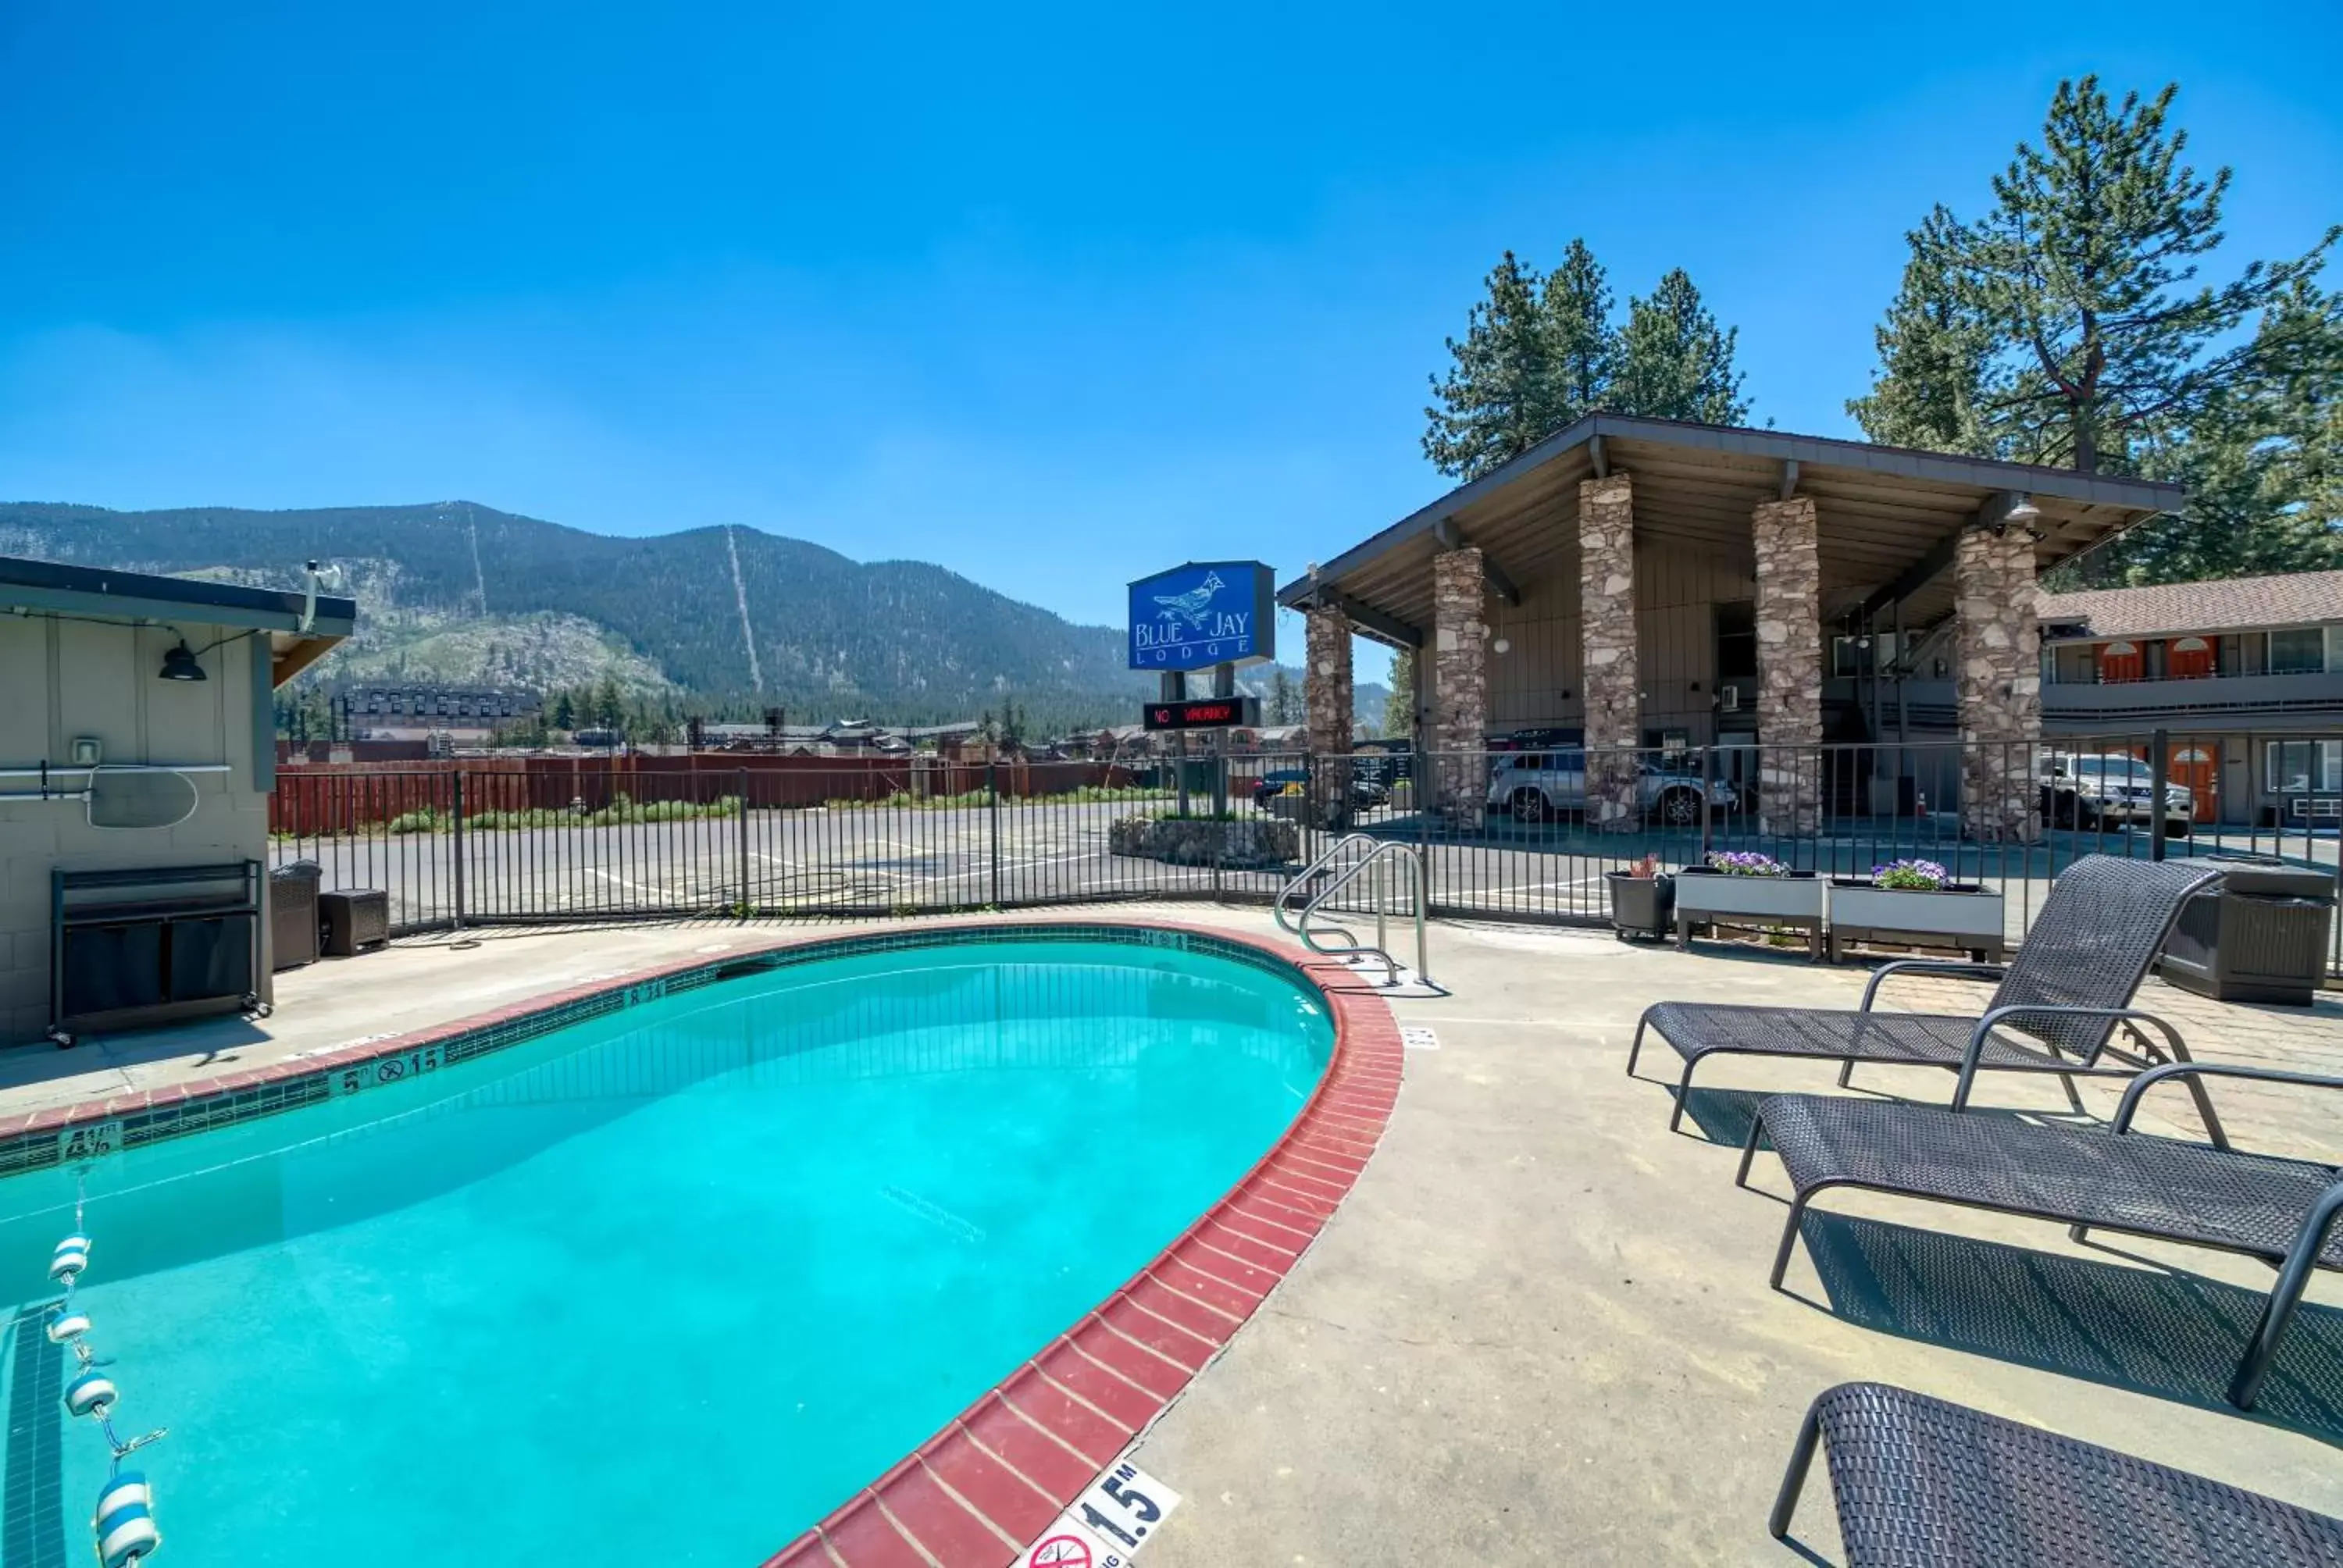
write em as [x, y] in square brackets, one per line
[1340, 942]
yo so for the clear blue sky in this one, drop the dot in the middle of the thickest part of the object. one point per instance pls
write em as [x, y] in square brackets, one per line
[1050, 297]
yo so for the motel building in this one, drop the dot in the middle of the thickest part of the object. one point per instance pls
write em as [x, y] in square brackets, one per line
[1633, 583]
[2245, 676]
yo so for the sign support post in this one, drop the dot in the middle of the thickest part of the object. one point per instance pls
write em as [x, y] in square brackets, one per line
[1175, 689]
[1224, 684]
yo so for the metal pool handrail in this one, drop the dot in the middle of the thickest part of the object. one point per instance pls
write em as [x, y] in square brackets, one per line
[1278, 906]
[1419, 898]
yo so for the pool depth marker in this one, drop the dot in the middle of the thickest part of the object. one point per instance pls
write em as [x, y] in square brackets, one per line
[1103, 1528]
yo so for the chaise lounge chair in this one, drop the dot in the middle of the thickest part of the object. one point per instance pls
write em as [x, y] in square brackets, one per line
[1919, 1481]
[2280, 1210]
[2072, 982]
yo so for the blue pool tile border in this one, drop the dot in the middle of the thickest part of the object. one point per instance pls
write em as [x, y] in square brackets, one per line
[93, 1129]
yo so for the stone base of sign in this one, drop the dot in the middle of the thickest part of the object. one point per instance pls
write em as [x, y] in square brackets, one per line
[1250, 844]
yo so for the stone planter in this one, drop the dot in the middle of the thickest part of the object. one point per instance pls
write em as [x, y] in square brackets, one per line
[1641, 906]
[1247, 844]
[1964, 915]
[1705, 895]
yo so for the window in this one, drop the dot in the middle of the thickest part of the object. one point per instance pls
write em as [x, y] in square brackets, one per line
[2289, 767]
[2297, 650]
[2073, 663]
[1736, 640]
[1854, 655]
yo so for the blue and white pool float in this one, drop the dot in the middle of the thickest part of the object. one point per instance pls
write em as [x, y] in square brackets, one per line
[90, 1393]
[125, 1520]
[71, 1258]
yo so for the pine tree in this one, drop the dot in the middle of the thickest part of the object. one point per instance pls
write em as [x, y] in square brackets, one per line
[1497, 400]
[1538, 354]
[1282, 697]
[609, 708]
[2067, 327]
[1674, 362]
[1582, 346]
[1399, 708]
[1929, 392]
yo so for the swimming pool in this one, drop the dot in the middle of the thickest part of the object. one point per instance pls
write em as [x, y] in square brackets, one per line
[662, 1286]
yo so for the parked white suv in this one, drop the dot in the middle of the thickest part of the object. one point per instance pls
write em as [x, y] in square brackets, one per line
[1537, 785]
[2093, 789]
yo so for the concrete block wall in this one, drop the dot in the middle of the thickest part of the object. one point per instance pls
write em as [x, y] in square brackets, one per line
[60, 679]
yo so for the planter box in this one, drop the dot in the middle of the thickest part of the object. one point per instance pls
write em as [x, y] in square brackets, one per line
[1963, 915]
[1641, 906]
[1722, 898]
[1247, 844]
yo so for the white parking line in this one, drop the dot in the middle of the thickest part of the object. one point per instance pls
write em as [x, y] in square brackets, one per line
[596, 871]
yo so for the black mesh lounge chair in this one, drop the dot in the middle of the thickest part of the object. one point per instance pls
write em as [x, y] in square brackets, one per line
[2280, 1210]
[1918, 1481]
[2072, 982]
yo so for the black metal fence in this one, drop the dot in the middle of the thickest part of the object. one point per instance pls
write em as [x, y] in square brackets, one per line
[1527, 835]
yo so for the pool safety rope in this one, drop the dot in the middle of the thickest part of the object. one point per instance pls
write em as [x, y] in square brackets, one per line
[124, 1519]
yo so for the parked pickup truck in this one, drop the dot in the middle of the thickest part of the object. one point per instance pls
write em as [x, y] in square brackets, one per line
[1537, 785]
[2094, 790]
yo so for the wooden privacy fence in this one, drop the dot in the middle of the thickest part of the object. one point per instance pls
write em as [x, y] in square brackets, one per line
[316, 799]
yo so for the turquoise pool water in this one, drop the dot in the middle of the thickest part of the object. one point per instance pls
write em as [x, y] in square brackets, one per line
[661, 1288]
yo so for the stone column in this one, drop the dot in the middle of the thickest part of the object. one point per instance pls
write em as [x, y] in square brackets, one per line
[1460, 684]
[1997, 644]
[1789, 667]
[1327, 700]
[1609, 673]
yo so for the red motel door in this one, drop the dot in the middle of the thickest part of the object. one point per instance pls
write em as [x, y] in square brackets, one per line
[2200, 768]
[2188, 658]
[2119, 661]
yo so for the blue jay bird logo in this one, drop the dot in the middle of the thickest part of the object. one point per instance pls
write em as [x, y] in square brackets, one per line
[1191, 606]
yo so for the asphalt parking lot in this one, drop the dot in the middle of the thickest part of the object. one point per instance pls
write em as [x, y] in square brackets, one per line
[902, 859]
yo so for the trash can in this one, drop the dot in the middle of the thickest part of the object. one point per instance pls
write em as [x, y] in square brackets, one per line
[2260, 935]
[355, 918]
[292, 914]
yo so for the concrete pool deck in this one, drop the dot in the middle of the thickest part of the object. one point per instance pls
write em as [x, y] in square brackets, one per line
[1538, 1329]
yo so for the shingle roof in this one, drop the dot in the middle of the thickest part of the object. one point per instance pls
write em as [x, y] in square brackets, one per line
[2233, 604]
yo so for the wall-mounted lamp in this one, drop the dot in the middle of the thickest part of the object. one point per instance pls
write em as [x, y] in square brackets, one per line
[1501, 646]
[179, 664]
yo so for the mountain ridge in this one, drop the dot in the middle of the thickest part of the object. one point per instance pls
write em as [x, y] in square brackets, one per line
[461, 591]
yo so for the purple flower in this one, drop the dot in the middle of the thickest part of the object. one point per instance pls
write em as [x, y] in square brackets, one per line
[1746, 863]
[1912, 875]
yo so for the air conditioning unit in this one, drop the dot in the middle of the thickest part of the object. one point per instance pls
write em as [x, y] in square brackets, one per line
[1728, 698]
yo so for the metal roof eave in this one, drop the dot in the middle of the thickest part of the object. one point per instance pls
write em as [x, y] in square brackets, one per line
[56, 588]
[2143, 497]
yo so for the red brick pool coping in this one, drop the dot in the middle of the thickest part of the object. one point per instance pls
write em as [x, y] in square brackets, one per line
[974, 1493]
[997, 1474]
